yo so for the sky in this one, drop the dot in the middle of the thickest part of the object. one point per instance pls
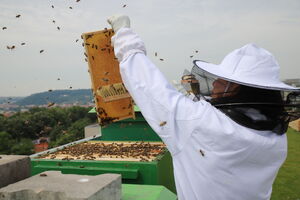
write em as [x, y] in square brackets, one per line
[175, 29]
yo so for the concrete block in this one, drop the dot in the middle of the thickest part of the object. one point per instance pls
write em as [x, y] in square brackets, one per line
[13, 168]
[91, 130]
[53, 185]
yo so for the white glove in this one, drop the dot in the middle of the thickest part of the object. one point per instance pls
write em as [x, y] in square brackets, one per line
[119, 21]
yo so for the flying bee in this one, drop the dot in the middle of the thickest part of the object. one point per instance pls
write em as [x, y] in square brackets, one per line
[23, 43]
[85, 54]
[85, 60]
[58, 28]
[124, 5]
[161, 59]
[3, 28]
[70, 7]
[53, 21]
[191, 56]
[163, 123]
[8, 47]
[77, 1]
[202, 152]
[50, 104]
[196, 51]
[93, 58]
[76, 40]
[41, 51]
[155, 54]
[17, 16]
[87, 44]
[12, 47]
[103, 49]
[52, 6]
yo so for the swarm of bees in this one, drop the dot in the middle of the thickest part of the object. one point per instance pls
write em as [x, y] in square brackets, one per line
[139, 151]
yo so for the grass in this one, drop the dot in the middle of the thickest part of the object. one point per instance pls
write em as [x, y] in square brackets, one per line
[287, 183]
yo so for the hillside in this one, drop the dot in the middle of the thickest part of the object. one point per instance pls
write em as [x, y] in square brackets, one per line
[81, 96]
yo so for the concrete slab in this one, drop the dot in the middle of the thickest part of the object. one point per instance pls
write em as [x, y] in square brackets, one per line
[52, 185]
[13, 168]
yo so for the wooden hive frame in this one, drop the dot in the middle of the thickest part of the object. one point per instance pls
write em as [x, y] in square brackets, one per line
[113, 102]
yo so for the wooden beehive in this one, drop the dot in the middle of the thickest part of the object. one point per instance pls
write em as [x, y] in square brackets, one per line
[112, 100]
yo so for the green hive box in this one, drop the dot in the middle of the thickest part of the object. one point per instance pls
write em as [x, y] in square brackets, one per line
[156, 172]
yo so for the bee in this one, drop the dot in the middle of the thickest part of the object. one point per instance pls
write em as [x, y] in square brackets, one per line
[52, 6]
[50, 104]
[41, 51]
[96, 46]
[202, 152]
[163, 123]
[191, 56]
[93, 58]
[89, 36]
[161, 59]
[85, 54]
[70, 87]
[196, 51]
[103, 49]
[155, 54]
[8, 47]
[85, 60]
[124, 5]
[53, 21]
[12, 47]
[87, 44]
[58, 28]
[77, 1]
[3, 28]
[76, 40]
[70, 7]
[23, 43]
[17, 16]
[58, 79]
[43, 174]
[50, 90]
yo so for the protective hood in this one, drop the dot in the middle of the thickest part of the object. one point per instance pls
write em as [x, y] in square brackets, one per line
[251, 66]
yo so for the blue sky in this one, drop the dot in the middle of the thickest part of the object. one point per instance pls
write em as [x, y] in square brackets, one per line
[174, 29]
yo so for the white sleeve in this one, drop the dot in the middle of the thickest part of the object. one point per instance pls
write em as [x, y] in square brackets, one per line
[171, 114]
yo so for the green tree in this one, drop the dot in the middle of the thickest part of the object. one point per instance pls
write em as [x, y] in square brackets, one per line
[23, 147]
[6, 142]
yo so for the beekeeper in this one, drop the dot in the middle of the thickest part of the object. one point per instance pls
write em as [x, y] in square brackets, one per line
[216, 155]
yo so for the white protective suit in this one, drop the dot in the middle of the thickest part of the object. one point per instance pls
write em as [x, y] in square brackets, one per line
[214, 158]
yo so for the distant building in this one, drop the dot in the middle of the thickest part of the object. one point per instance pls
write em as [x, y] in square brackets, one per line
[293, 82]
[41, 144]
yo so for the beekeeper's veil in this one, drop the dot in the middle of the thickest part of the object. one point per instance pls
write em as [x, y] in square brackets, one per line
[249, 66]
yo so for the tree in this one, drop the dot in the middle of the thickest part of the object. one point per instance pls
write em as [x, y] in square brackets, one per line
[6, 142]
[23, 147]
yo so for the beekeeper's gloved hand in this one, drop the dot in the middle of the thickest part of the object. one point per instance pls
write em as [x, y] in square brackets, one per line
[119, 21]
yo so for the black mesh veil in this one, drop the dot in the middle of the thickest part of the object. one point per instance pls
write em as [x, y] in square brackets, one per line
[279, 107]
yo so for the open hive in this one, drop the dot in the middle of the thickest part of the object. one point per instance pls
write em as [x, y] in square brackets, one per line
[109, 151]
